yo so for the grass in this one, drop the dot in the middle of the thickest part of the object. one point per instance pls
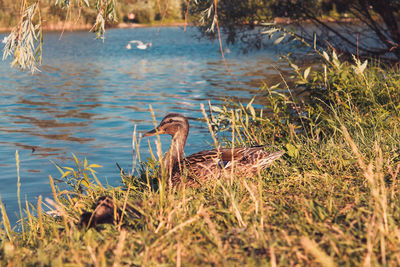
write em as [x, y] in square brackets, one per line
[333, 199]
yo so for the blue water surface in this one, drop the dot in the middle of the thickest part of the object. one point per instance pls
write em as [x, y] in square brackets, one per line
[90, 94]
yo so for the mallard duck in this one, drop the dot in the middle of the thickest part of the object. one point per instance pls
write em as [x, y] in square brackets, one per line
[207, 164]
[105, 211]
[196, 168]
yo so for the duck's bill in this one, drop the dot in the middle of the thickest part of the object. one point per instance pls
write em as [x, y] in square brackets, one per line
[155, 131]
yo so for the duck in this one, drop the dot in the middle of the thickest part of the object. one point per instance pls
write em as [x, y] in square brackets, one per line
[209, 164]
[106, 211]
[193, 170]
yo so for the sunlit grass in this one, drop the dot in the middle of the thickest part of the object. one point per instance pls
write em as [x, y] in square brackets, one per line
[333, 199]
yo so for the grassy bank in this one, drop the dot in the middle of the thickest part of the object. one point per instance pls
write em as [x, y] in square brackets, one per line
[333, 199]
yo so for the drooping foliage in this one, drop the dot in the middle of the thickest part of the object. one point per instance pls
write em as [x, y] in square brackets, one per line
[370, 27]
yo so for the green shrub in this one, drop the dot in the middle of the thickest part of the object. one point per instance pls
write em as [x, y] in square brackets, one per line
[144, 13]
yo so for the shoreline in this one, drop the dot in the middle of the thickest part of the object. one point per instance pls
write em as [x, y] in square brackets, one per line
[71, 27]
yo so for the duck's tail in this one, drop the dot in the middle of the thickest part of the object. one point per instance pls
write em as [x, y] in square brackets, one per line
[267, 159]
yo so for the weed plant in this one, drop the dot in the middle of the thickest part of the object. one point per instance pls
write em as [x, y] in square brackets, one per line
[333, 199]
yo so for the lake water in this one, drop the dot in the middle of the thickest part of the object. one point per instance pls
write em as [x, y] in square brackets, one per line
[89, 95]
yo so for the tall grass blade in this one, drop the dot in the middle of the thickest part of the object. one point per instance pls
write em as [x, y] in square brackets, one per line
[19, 193]
[6, 222]
[40, 217]
[313, 248]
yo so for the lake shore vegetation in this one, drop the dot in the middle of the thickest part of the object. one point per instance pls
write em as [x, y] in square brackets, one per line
[331, 200]
[81, 15]
[368, 28]
[365, 28]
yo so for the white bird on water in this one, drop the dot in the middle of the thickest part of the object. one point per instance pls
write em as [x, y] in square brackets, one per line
[140, 45]
[5, 40]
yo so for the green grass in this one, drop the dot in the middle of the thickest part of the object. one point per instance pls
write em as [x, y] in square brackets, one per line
[332, 199]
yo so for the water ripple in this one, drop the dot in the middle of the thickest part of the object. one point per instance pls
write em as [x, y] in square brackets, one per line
[89, 95]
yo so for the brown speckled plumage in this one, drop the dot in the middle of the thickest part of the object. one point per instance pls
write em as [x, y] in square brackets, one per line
[103, 213]
[106, 211]
[207, 164]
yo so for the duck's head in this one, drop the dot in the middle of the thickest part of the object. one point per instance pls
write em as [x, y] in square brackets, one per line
[172, 124]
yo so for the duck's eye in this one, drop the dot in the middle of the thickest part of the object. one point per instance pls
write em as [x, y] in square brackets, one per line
[166, 122]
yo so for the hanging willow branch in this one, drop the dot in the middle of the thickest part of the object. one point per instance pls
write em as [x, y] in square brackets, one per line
[25, 41]
[105, 12]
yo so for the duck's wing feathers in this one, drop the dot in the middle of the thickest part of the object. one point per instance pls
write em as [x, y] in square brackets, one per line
[209, 163]
[240, 154]
[202, 156]
[224, 154]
